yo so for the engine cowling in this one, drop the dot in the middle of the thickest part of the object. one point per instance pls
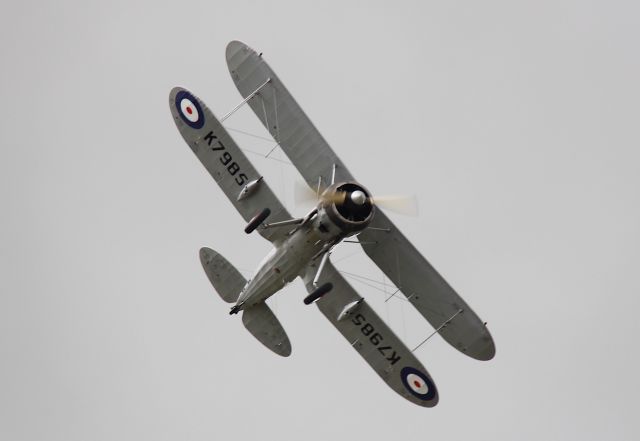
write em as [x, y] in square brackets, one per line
[348, 206]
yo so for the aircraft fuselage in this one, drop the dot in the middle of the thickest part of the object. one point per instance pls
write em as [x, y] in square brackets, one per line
[289, 258]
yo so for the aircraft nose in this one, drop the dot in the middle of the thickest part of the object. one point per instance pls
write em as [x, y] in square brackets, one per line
[358, 197]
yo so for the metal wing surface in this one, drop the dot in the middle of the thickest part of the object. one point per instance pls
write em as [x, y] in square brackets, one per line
[224, 160]
[372, 338]
[425, 289]
[283, 117]
[393, 253]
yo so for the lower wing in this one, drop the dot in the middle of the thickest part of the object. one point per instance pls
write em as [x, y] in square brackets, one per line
[372, 338]
[224, 160]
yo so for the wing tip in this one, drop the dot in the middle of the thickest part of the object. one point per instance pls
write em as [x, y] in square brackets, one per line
[417, 386]
[433, 402]
[235, 46]
[489, 353]
[485, 350]
[285, 352]
[174, 91]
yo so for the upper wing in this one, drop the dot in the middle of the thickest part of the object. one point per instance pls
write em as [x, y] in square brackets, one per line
[224, 160]
[426, 289]
[393, 253]
[373, 339]
[283, 117]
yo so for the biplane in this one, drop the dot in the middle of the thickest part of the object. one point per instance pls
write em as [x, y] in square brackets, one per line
[302, 246]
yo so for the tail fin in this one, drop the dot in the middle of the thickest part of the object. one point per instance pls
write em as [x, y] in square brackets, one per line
[226, 280]
[264, 325]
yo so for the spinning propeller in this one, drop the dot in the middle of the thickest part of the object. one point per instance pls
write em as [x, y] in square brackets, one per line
[406, 205]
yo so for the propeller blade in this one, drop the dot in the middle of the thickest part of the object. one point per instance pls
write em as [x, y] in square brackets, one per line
[407, 205]
[336, 197]
[303, 195]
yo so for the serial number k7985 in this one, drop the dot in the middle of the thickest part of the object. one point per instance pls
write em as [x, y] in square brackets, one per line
[226, 159]
[375, 338]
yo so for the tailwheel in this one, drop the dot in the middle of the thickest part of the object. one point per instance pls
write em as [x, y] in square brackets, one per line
[318, 292]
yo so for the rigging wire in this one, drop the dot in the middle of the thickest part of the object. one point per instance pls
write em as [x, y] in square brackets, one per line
[365, 278]
[264, 138]
[346, 257]
[263, 157]
[355, 278]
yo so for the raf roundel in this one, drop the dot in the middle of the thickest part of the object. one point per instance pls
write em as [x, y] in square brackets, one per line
[418, 383]
[189, 109]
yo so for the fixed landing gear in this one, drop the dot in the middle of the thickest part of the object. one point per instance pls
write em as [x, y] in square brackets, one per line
[257, 220]
[317, 293]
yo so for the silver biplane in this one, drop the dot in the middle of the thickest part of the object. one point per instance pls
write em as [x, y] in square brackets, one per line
[301, 246]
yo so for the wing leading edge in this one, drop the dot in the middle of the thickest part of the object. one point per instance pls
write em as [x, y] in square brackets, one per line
[373, 339]
[283, 117]
[224, 160]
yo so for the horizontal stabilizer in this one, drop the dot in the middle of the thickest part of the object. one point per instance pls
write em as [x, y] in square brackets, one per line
[226, 280]
[264, 325]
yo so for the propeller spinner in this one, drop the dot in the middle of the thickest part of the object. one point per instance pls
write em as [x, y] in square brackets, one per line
[406, 205]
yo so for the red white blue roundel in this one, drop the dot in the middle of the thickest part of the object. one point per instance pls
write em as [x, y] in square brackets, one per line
[189, 109]
[418, 383]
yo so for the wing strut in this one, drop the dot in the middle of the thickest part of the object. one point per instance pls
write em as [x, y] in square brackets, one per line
[437, 329]
[244, 101]
[284, 223]
[320, 267]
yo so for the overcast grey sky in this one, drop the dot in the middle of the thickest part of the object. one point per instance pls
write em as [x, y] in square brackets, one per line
[515, 123]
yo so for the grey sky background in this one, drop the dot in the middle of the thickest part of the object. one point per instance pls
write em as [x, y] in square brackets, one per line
[514, 123]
